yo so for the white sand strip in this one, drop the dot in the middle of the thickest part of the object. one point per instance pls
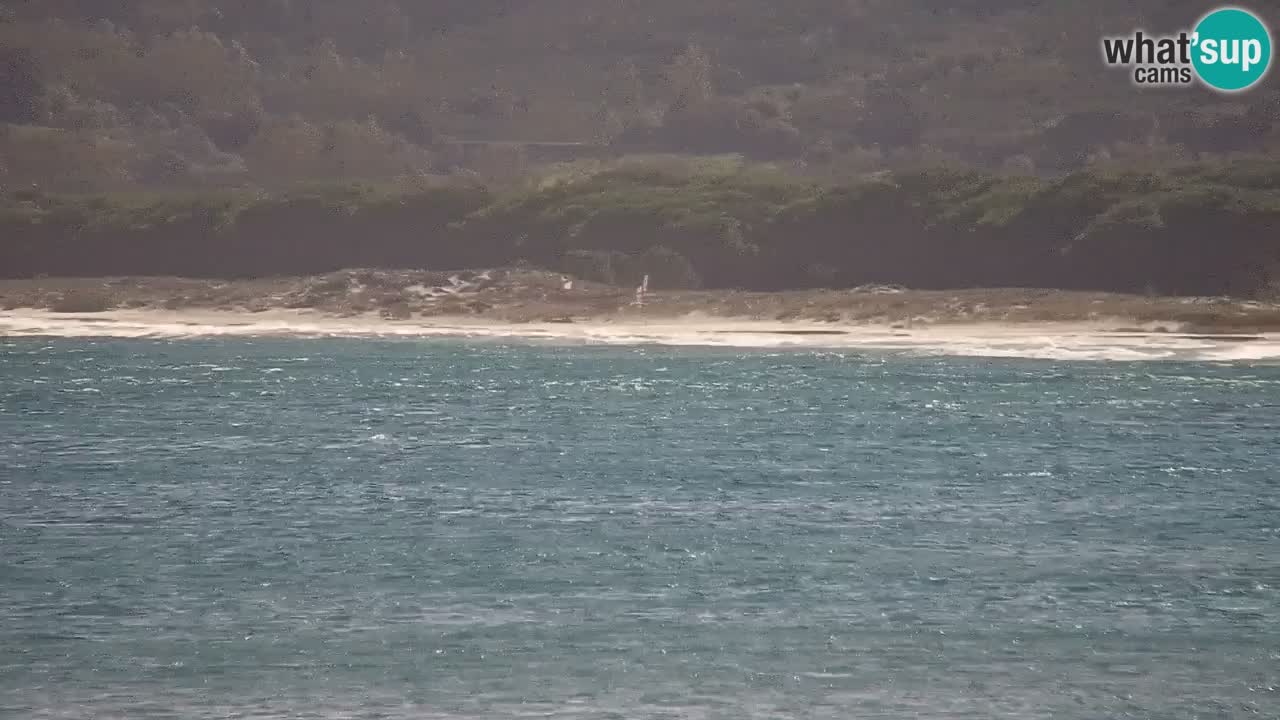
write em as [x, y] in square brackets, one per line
[1056, 341]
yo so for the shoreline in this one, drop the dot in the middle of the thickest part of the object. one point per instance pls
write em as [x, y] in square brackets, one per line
[1043, 340]
[537, 306]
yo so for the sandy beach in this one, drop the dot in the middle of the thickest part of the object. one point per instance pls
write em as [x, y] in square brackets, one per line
[1047, 340]
[533, 306]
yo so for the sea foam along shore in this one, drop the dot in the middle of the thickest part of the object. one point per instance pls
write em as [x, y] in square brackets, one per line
[1055, 341]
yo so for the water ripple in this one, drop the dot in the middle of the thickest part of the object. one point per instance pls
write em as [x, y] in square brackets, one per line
[341, 528]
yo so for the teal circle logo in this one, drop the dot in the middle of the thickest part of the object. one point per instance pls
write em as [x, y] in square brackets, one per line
[1231, 49]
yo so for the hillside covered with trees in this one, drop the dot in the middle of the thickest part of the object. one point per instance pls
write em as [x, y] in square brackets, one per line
[746, 144]
[233, 93]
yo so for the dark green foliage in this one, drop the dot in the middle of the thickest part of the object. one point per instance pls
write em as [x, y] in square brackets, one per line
[20, 86]
[1202, 229]
[604, 266]
[667, 269]
[231, 130]
[216, 93]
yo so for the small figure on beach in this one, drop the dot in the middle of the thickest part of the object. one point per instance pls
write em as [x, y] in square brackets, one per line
[642, 291]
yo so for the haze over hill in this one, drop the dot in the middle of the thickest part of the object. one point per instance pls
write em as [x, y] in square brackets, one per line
[231, 92]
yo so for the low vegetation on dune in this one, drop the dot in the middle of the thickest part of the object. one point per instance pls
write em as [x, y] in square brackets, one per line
[522, 296]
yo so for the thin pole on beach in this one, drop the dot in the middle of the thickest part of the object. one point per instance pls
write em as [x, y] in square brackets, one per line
[641, 292]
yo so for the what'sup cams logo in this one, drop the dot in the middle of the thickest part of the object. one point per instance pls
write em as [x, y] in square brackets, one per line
[1229, 50]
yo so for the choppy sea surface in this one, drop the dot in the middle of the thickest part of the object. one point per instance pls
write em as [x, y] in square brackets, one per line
[460, 529]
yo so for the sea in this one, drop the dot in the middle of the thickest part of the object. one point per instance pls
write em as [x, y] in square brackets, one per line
[451, 528]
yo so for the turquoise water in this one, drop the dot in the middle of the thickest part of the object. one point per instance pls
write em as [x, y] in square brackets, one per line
[355, 528]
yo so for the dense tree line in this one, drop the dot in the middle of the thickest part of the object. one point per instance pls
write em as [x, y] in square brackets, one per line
[240, 93]
[1198, 229]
